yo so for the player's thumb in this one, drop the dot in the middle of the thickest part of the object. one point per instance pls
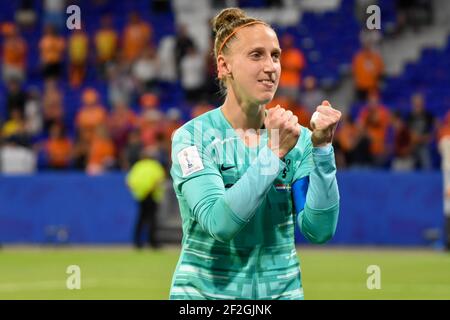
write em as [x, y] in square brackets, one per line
[326, 103]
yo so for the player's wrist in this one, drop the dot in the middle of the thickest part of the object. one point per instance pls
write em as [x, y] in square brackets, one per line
[276, 149]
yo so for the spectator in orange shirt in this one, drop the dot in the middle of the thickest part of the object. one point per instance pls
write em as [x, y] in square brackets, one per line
[101, 152]
[150, 127]
[444, 128]
[14, 54]
[106, 43]
[91, 115]
[303, 115]
[292, 64]
[368, 68]
[78, 47]
[375, 120]
[279, 99]
[58, 148]
[149, 101]
[352, 144]
[137, 35]
[51, 48]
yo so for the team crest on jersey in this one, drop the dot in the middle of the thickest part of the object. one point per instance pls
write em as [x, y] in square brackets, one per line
[190, 161]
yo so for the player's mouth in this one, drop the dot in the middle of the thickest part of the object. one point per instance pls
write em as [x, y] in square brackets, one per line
[268, 83]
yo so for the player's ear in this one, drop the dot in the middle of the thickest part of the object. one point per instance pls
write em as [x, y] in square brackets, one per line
[223, 68]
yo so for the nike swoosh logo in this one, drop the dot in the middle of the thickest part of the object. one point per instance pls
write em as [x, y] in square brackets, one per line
[223, 168]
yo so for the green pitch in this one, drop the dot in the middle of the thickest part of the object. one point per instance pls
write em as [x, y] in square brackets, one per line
[122, 273]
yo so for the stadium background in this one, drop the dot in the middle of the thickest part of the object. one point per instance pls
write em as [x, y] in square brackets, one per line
[74, 122]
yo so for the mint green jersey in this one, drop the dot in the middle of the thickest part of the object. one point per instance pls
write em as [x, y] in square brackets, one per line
[237, 212]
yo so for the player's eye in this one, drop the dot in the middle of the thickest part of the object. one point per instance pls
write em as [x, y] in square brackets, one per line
[255, 55]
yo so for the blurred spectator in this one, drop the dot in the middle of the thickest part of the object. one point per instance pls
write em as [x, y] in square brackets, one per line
[149, 101]
[311, 95]
[303, 115]
[81, 150]
[33, 112]
[78, 48]
[101, 152]
[106, 43]
[136, 36]
[121, 87]
[421, 124]
[368, 68]
[182, 43]
[146, 70]
[292, 64]
[58, 148]
[374, 118]
[15, 97]
[13, 125]
[25, 14]
[166, 57]
[193, 72]
[132, 151]
[150, 127]
[54, 13]
[444, 127]
[403, 145]
[353, 144]
[51, 48]
[14, 54]
[279, 99]
[120, 122]
[52, 103]
[91, 115]
[16, 159]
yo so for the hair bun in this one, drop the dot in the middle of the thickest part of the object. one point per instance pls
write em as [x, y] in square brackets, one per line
[227, 17]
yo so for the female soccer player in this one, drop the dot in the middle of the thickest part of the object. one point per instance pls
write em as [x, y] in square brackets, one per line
[241, 175]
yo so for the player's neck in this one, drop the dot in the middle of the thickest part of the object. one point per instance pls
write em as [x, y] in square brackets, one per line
[243, 115]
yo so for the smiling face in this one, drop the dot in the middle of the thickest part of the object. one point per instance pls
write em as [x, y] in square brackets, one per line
[253, 63]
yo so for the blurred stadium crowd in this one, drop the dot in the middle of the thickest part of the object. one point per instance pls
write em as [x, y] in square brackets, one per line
[94, 99]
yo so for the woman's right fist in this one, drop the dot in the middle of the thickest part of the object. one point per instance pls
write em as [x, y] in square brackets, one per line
[283, 130]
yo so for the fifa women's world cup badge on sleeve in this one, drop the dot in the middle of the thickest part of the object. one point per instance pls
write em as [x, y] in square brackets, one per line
[190, 160]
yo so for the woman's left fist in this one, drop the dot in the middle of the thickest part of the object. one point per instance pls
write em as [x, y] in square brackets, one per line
[323, 123]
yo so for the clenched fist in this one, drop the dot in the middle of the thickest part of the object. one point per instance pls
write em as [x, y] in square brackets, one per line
[283, 130]
[323, 123]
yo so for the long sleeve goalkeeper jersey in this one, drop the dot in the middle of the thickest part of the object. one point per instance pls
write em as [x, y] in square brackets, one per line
[238, 213]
